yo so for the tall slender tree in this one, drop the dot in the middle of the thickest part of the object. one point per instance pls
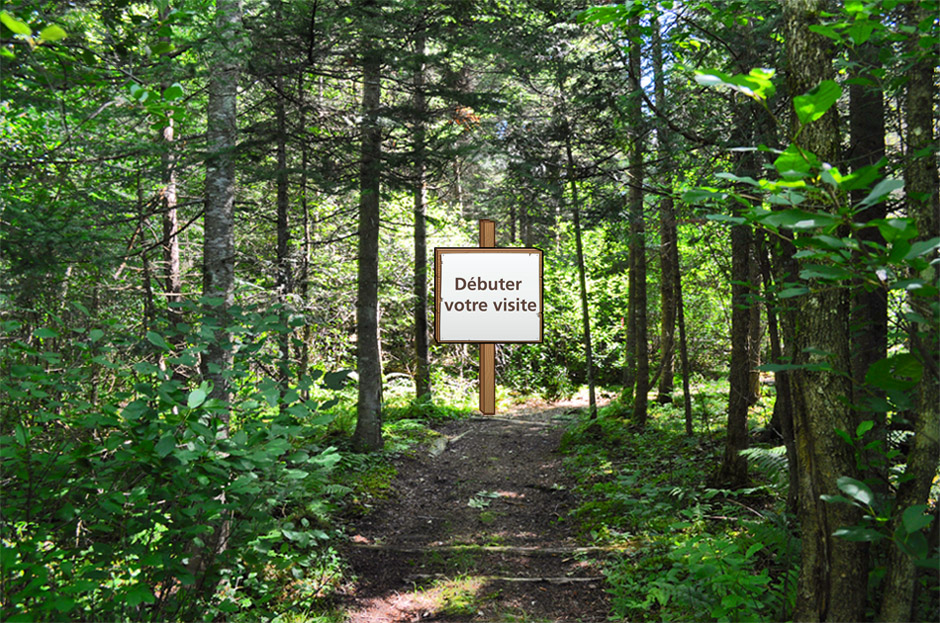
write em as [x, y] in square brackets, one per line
[420, 192]
[172, 277]
[219, 246]
[667, 226]
[923, 199]
[638, 300]
[582, 281]
[733, 469]
[368, 434]
[282, 261]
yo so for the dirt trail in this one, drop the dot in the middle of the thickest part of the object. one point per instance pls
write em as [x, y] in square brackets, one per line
[477, 531]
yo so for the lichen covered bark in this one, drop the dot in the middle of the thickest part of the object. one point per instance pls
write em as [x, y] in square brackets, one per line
[833, 572]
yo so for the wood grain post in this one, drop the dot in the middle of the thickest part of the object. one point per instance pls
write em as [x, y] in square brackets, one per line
[487, 351]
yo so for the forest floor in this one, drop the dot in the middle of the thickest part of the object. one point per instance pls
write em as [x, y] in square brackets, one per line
[474, 529]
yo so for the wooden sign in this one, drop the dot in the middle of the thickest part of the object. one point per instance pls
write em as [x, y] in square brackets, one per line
[487, 295]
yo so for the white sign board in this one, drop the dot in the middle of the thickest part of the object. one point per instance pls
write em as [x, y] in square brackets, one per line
[487, 295]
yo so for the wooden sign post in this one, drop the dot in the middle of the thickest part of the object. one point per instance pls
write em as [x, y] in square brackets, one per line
[487, 350]
[487, 295]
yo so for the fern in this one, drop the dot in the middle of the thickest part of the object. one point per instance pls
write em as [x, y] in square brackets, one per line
[336, 490]
[770, 461]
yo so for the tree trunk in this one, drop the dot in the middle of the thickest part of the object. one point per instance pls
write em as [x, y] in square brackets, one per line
[921, 184]
[683, 343]
[219, 245]
[869, 320]
[667, 228]
[173, 283]
[629, 355]
[582, 281]
[171, 245]
[368, 434]
[283, 283]
[754, 329]
[304, 281]
[833, 571]
[422, 368]
[782, 419]
[218, 276]
[733, 470]
[638, 238]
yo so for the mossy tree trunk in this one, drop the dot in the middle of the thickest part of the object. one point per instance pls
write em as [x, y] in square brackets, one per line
[833, 572]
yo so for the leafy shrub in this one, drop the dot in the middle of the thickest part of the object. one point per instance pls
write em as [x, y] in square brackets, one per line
[132, 501]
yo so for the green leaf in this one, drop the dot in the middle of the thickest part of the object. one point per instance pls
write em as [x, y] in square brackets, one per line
[138, 594]
[858, 533]
[162, 47]
[63, 604]
[197, 397]
[881, 189]
[725, 218]
[756, 84]
[817, 101]
[336, 380]
[166, 445]
[753, 549]
[844, 436]
[895, 373]
[95, 334]
[19, 431]
[16, 26]
[43, 332]
[862, 178]
[792, 292]
[928, 563]
[922, 248]
[700, 195]
[914, 286]
[864, 427]
[795, 163]
[798, 219]
[915, 518]
[895, 228]
[271, 395]
[787, 198]
[830, 273]
[173, 92]
[52, 33]
[157, 340]
[145, 367]
[853, 7]
[913, 544]
[861, 31]
[855, 489]
[826, 31]
[779, 367]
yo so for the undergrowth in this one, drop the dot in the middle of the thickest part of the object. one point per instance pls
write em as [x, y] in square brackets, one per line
[695, 552]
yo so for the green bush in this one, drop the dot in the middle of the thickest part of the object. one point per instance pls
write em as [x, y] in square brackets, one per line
[124, 496]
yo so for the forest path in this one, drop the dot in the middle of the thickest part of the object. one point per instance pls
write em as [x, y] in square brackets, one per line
[476, 531]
